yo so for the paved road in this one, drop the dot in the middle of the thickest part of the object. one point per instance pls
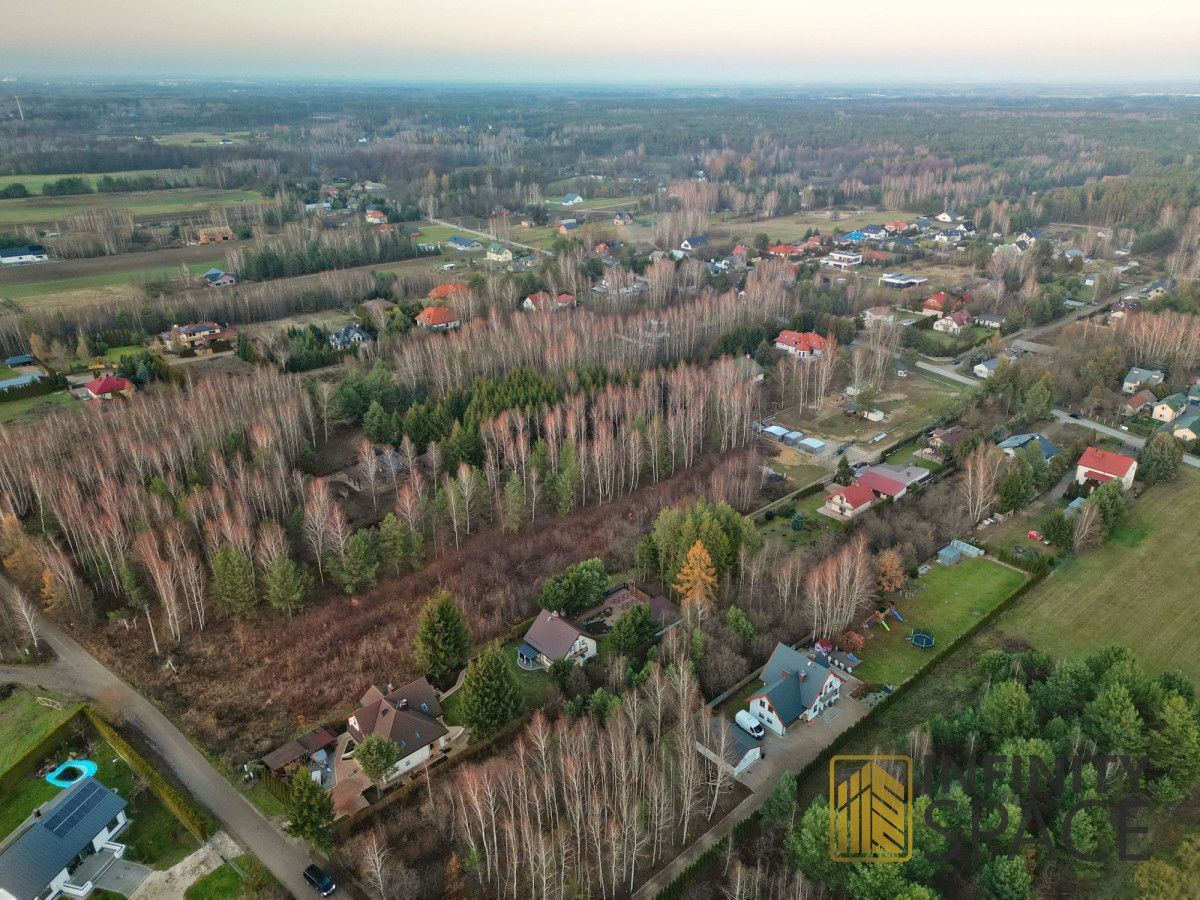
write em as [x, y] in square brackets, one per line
[1124, 436]
[78, 672]
[948, 372]
[492, 237]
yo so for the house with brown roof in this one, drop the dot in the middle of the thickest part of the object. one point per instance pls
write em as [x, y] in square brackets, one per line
[312, 746]
[804, 344]
[551, 637]
[944, 440]
[216, 234]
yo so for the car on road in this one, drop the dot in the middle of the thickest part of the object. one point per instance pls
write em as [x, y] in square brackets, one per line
[322, 881]
[1075, 415]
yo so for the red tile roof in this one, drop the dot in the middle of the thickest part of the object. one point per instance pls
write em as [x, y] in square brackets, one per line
[1104, 462]
[432, 316]
[856, 495]
[881, 484]
[446, 291]
[937, 301]
[801, 340]
[109, 384]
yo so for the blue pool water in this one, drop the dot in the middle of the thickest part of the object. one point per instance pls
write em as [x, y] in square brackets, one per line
[71, 771]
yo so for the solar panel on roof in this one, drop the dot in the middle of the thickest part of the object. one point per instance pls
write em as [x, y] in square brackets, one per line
[75, 808]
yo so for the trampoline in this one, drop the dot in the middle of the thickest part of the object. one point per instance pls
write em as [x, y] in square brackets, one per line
[71, 771]
[922, 640]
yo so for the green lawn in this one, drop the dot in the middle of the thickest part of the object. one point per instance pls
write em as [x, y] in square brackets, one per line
[815, 524]
[154, 836]
[109, 279]
[146, 203]
[31, 407]
[1138, 589]
[535, 687]
[226, 884]
[905, 455]
[24, 723]
[952, 600]
[34, 183]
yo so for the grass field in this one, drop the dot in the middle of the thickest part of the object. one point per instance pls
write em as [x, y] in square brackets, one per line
[952, 600]
[108, 279]
[226, 884]
[1138, 589]
[33, 210]
[201, 137]
[35, 183]
[790, 228]
[24, 723]
[535, 687]
[31, 407]
[154, 836]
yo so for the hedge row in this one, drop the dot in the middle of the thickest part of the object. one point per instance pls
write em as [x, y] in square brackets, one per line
[172, 799]
[675, 888]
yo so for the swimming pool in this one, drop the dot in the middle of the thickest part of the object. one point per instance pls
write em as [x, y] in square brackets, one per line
[71, 771]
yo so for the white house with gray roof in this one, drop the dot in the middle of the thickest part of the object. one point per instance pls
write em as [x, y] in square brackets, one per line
[797, 686]
[65, 846]
[552, 637]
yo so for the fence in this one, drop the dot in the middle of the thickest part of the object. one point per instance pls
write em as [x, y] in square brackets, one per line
[28, 763]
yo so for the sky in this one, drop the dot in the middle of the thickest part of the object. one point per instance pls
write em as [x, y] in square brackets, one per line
[702, 42]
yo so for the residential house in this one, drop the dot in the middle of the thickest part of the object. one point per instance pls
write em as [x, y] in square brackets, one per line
[842, 260]
[900, 280]
[884, 315]
[1169, 408]
[847, 502]
[448, 290]
[371, 187]
[990, 320]
[804, 344]
[1139, 402]
[571, 200]
[986, 368]
[438, 318]
[797, 686]
[21, 380]
[954, 324]
[551, 637]
[407, 716]
[1187, 427]
[568, 226]
[464, 244]
[922, 223]
[853, 237]
[64, 848]
[1101, 466]
[784, 251]
[881, 485]
[874, 232]
[888, 480]
[21, 256]
[1141, 378]
[349, 336]
[897, 226]
[216, 234]
[947, 237]
[1029, 235]
[1161, 286]
[107, 387]
[1016, 442]
[375, 217]
[499, 253]
[950, 215]
[217, 278]
[944, 440]
[695, 242]
[622, 219]
[197, 336]
[936, 305]
[377, 308]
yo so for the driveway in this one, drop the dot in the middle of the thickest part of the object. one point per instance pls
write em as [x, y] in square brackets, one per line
[123, 877]
[78, 672]
[789, 753]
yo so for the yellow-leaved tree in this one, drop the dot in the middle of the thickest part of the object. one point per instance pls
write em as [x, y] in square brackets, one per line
[696, 582]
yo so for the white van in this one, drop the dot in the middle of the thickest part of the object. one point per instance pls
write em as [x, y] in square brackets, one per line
[750, 725]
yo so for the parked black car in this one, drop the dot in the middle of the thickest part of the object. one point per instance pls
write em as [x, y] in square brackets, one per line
[322, 881]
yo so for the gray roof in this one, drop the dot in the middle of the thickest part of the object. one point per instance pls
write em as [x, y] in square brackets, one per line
[1020, 441]
[552, 635]
[61, 828]
[791, 681]
[906, 475]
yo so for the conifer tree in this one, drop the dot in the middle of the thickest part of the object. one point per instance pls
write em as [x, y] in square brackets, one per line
[491, 697]
[443, 641]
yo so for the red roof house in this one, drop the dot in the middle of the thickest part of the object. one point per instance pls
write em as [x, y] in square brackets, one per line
[880, 485]
[936, 304]
[800, 343]
[847, 502]
[1102, 466]
[438, 318]
[109, 386]
[448, 290]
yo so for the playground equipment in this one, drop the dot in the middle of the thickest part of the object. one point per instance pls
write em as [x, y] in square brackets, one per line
[922, 640]
[896, 613]
[71, 771]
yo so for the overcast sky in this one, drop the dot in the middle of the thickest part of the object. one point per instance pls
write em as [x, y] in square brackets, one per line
[575, 41]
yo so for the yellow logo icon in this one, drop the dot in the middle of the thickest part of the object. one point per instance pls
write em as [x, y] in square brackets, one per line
[870, 808]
